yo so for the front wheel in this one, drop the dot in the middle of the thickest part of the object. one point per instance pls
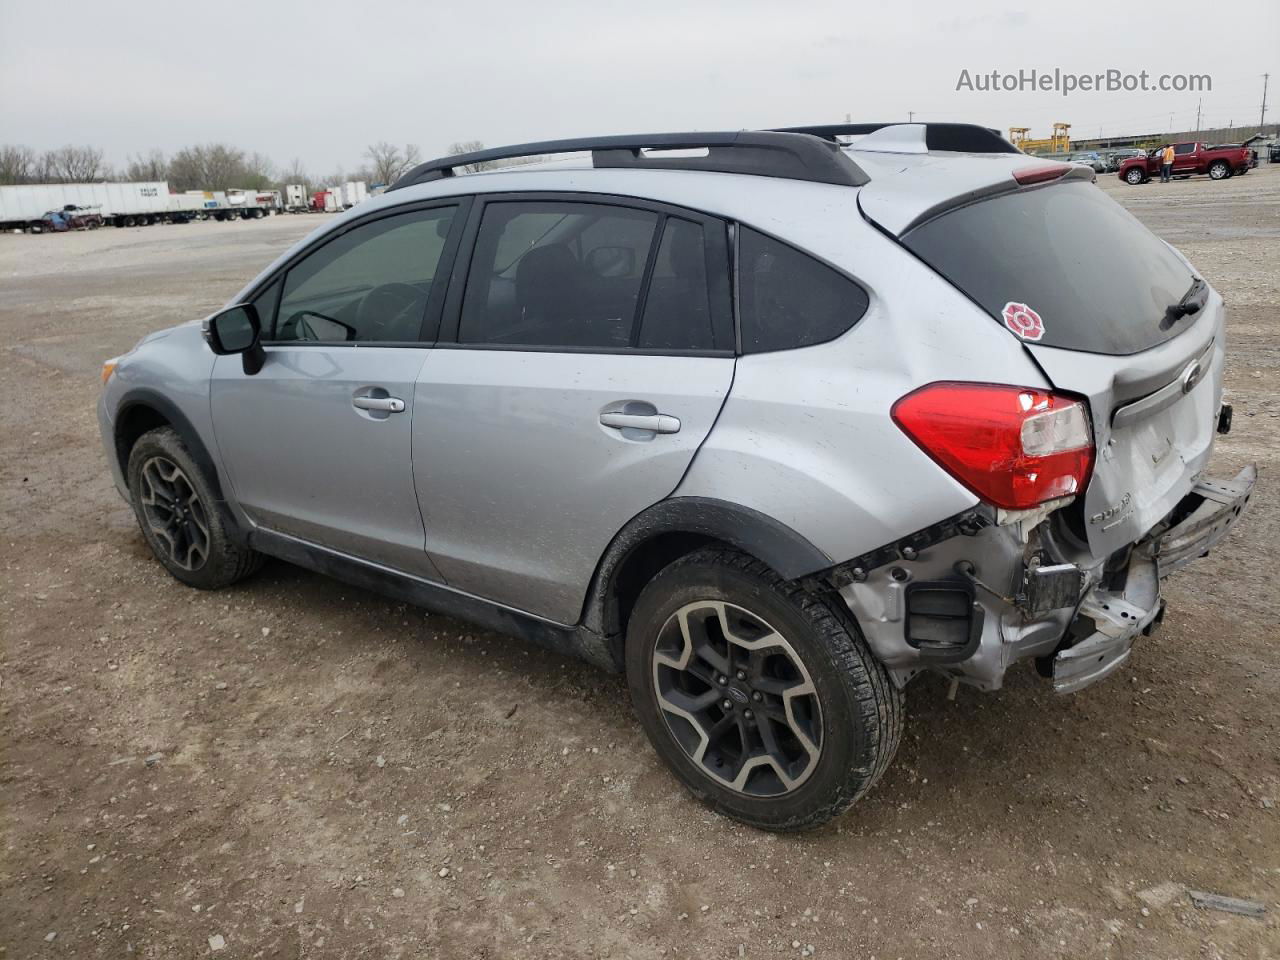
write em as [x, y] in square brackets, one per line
[179, 514]
[1134, 177]
[1219, 170]
[762, 697]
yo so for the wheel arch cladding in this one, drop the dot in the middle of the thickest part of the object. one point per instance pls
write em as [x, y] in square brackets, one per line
[141, 410]
[672, 528]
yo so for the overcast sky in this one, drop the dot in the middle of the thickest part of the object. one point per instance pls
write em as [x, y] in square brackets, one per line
[320, 80]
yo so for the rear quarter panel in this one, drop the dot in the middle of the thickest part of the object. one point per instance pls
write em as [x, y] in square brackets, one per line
[806, 435]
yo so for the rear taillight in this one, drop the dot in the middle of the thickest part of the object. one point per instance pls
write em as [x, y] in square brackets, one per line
[1015, 447]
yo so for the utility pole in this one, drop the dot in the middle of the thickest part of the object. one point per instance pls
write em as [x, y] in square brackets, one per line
[911, 116]
[1198, 105]
[1262, 117]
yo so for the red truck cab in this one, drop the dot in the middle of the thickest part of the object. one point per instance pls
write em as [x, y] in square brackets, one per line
[1189, 158]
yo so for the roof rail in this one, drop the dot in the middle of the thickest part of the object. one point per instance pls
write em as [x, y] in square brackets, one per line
[951, 137]
[763, 153]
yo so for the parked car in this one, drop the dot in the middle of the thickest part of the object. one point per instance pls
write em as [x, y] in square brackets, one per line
[1091, 159]
[1273, 152]
[770, 424]
[1188, 159]
[1117, 157]
[52, 221]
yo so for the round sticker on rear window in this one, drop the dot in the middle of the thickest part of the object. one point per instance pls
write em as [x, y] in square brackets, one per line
[1023, 321]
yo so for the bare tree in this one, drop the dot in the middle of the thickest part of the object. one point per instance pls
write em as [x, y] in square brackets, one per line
[18, 164]
[150, 168]
[214, 166]
[388, 162]
[259, 172]
[386, 159]
[471, 146]
[295, 173]
[72, 164]
[412, 157]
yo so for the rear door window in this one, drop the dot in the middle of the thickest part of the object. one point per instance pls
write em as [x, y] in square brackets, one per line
[1099, 280]
[556, 274]
[788, 299]
[687, 301]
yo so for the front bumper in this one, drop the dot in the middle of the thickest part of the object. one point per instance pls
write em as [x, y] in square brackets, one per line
[107, 431]
[1120, 617]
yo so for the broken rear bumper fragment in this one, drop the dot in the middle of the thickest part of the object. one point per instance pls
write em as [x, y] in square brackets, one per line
[972, 596]
[1120, 617]
[1220, 505]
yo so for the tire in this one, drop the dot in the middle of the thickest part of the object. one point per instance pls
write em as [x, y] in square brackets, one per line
[1134, 177]
[1219, 170]
[198, 549]
[820, 683]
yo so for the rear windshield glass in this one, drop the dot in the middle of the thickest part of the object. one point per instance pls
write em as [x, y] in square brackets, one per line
[1097, 278]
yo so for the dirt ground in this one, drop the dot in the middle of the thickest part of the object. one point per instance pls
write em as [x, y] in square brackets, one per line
[293, 768]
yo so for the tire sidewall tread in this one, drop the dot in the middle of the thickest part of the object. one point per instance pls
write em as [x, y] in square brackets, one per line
[862, 709]
[228, 561]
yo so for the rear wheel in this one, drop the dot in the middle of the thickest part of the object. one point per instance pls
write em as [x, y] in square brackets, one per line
[1219, 170]
[761, 696]
[180, 517]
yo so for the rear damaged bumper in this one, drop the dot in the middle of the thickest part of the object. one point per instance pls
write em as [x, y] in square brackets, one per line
[974, 598]
[1120, 617]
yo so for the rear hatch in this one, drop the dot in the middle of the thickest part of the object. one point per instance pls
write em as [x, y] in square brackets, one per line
[1109, 311]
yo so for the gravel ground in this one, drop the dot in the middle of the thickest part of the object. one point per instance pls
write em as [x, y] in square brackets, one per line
[293, 768]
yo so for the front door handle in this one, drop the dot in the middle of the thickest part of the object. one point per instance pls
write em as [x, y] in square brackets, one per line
[656, 422]
[384, 404]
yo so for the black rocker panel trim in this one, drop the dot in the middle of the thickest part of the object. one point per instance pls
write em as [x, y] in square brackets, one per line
[568, 640]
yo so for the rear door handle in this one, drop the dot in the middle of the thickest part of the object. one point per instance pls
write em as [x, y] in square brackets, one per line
[385, 404]
[657, 422]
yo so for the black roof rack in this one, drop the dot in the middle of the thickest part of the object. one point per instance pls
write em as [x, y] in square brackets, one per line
[954, 137]
[762, 153]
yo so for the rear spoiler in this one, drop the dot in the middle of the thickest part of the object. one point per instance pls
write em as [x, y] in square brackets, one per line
[902, 201]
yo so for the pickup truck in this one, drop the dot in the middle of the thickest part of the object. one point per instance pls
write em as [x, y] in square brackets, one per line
[1188, 158]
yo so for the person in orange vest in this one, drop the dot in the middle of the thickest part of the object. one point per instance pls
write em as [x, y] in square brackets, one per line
[1166, 163]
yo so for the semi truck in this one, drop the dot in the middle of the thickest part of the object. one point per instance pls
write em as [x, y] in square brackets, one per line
[341, 197]
[25, 207]
[295, 198]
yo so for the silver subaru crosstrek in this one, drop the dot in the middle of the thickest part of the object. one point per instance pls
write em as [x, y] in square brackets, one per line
[771, 421]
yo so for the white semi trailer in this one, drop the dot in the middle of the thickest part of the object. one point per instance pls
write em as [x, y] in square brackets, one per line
[353, 192]
[22, 207]
[295, 198]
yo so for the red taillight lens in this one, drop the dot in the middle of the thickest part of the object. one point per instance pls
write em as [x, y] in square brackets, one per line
[1015, 447]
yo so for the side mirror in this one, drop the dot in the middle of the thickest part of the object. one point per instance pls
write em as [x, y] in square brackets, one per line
[236, 330]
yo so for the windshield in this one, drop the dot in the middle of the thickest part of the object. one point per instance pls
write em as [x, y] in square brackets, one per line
[1098, 280]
